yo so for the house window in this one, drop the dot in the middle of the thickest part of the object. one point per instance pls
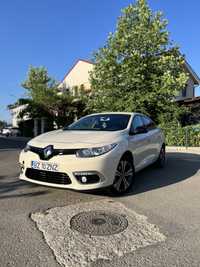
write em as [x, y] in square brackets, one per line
[184, 92]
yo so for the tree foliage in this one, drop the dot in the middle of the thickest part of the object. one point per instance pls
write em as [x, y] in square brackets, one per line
[138, 69]
[44, 99]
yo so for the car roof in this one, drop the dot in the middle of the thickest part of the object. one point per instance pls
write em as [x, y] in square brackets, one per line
[117, 113]
[132, 114]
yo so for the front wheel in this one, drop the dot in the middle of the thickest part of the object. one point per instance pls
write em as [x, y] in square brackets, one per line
[124, 177]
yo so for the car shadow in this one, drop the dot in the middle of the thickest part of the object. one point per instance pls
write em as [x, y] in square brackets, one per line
[12, 188]
[179, 167]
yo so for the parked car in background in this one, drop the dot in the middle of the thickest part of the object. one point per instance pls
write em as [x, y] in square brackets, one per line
[10, 131]
[99, 150]
[6, 131]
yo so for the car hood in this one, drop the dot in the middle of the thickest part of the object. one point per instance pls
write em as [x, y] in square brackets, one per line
[76, 139]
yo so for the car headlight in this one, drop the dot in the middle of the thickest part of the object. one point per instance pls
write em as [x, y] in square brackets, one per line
[27, 148]
[94, 151]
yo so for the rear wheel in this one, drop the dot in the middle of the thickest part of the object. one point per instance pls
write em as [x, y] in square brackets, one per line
[162, 158]
[124, 176]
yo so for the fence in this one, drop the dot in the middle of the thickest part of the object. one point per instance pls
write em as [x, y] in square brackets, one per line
[185, 136]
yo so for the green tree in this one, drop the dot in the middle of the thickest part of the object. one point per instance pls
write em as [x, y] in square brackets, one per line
[45, 100]
[138, 69]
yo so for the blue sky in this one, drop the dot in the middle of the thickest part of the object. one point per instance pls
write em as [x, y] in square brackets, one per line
[55, 33]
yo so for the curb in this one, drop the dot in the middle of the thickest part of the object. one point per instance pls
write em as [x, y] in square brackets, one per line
[195, 150]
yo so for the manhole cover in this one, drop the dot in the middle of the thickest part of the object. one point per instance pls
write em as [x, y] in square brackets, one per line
[97, 223]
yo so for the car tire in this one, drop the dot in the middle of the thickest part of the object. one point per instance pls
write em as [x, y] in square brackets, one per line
[161, 161]
[124, 176]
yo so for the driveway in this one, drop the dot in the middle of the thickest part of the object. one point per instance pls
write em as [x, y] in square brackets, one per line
[169, 199]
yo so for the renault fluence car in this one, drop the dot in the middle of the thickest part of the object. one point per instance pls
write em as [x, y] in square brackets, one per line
[99, 150]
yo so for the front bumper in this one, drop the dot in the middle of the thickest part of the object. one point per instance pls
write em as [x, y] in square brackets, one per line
[105, 166]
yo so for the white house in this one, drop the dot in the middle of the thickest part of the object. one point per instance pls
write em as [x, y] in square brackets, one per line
[193, 81]
[15, 111]
[78, 76]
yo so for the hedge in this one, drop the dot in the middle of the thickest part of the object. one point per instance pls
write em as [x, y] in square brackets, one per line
[188, 136]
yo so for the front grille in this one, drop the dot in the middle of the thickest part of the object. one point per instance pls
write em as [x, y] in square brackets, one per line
[40, 152]
[48, 176]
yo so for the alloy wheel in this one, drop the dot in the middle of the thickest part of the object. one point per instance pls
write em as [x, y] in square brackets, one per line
[123, 176]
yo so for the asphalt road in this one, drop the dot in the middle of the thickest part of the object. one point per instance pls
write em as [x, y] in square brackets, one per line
[170, 198]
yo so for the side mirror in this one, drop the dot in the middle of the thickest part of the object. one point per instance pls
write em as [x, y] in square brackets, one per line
[138, 130]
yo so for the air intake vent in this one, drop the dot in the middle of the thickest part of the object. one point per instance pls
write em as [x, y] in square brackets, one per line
[48, 176]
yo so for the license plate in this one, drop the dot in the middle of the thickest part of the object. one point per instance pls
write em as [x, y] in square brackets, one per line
[46, 166]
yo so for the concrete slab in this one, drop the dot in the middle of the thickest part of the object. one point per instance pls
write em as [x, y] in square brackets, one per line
[74, 249]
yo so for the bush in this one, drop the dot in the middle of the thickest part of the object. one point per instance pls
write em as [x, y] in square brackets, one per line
[183, 136]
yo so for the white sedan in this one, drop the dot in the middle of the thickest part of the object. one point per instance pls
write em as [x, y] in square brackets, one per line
[99, 150]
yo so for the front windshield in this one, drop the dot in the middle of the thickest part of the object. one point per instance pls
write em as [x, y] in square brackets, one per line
[101, 122]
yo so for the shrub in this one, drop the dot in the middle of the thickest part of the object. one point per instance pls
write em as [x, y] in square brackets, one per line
[183, 136]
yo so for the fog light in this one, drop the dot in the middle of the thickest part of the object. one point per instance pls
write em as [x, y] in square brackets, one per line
[89, 177]
[84, 179]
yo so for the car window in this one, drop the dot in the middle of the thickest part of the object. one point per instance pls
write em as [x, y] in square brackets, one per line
[101, 122]
[137, 122]
[148, 123]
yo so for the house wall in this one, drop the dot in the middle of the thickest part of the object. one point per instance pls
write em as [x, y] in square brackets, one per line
[189, 91]
[14, 113]
[78, 75]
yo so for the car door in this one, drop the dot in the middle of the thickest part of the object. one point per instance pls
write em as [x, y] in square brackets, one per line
[138, 143]
[153, 145]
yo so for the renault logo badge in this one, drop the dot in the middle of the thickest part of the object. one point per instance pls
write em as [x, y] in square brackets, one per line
[48, 151]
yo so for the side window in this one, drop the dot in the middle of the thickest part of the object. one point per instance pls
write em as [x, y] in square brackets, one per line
[148, 123]
[136, 123]
[184, 92]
